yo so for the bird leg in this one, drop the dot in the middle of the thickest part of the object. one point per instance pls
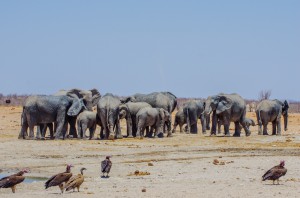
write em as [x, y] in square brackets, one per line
[277, 181]
[78, 188]
[13, 189]
[273, 182]
[61, 186]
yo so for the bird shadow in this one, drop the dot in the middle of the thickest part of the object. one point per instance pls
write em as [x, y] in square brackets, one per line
[104, 177]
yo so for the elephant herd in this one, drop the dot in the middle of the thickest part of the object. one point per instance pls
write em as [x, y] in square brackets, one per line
[145, 114]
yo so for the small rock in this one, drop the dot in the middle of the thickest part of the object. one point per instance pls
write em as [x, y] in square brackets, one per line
[144, 190]
[150, 164]
[216, 162]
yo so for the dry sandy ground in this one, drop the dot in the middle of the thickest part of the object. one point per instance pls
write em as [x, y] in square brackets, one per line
[182, 165]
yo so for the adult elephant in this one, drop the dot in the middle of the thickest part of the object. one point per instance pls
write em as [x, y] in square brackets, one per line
[129, 111]
[228, 108]
[194, 110]
[271, 111]
[165, 100]
[47, 109]
[108, 110]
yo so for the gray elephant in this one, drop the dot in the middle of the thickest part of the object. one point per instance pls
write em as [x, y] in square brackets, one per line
[228, 108]
[165, 100]
[151, 117]
[180, 119]
[249, 122]
[129, 111]
[108, 112]
[47, 109]
[271, 111]
[194, 110]
[88, 120]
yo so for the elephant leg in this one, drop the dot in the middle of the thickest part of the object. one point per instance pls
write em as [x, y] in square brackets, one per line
[31, 132]
[118, 130]
[72, 123]
[104, 124]
[214, 124]
[274, 127]
[265, 129]
[50, 126]
[219, 126]
[82, 134]
[260, 131]
[207, 122]
[61, 123]
[237, 129]
[39, 130]
[279, 127]
[203, 124]
[180, 128]
[134, 126]
[174, 127]
[226, 129]
[92, 131]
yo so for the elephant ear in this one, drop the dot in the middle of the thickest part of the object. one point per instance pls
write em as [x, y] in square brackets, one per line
[125, 108]
[76, 107]
[95, 96]
[161, 113]
[128, 99]
[74, 93]
[223, 105]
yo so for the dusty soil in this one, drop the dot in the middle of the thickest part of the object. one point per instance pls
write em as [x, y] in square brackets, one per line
[191, 165]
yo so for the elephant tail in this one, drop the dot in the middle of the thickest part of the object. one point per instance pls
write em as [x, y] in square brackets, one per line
[188, 120]
[259, 118]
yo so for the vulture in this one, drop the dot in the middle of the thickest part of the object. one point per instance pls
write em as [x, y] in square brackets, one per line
[59, 179]
[106, 165]
[12, 180]
[275, 173]
[75, 181]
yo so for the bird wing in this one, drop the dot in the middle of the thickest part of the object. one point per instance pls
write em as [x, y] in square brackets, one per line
[108, 167]
[274, 172]
[75, 182]
[11, 181]
[104, 164]
[58, 179]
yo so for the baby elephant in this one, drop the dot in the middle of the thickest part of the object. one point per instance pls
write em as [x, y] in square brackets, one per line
[87, 119]
[248, 121]
[180, 119]
[151, 117]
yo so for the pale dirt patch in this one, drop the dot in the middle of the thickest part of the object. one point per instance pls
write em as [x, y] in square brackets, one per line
[183, 165]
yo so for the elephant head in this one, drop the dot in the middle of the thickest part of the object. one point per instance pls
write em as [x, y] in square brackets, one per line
[218, 103]
[285, 109]
[90, 97]
[76, 107]
[128, 99]
[123, 111]
[164, 115]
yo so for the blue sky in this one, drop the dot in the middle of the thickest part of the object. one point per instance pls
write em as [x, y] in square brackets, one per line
[191, 48]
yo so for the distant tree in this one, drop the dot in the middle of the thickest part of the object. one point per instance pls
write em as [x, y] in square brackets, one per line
[264, 95]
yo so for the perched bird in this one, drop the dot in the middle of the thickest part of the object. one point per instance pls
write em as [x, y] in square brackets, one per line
[12, 180]
[75, 181]
[275, 173]
[59, 179]
[106, 165]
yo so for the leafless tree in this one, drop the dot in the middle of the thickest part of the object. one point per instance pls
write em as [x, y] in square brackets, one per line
[264, 95]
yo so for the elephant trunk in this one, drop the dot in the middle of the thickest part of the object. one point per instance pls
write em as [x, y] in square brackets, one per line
[285, 119]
